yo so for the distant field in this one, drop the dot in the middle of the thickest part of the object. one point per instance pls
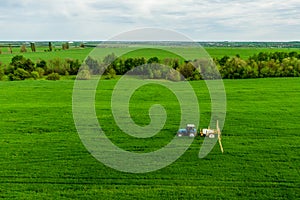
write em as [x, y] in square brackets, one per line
[42, 156]
[243, 52]
[81, 54]
[72, 53]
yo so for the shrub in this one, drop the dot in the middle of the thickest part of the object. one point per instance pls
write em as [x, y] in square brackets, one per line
[153, 60]
[74, 66]
[57, 65]
[1, 73]
[35, 75]
[173, 75]
[23, 49]
[41, 64]
[84, 75]
[157, 74]
[18, 75]
[111, 74]
[53, 77]
[19, 61]
[187, 70]
[41, 71]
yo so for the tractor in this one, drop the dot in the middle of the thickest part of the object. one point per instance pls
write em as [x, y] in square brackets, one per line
[190, 131]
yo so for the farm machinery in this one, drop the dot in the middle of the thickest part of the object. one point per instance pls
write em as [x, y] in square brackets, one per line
[191, 131]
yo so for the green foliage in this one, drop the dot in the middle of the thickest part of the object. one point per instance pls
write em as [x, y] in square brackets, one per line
[110, 74]
[59, 66]
[23, 49]
[10, 49]
[260, 65]
[50, 46]
[93, 65]
[19, 74]
[53, 77]
[35, 75]
[2, 74]
[173, 75]
[40, 71]
[42, 64]
[21, 62]
[187, 70]
[65, 46]
[84, 75]
[110, 58]
[74, 66]
[82, 45]
[32, 46]
[157, 74]
[153, 60]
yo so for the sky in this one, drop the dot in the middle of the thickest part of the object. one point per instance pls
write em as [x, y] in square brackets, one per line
[200, 20]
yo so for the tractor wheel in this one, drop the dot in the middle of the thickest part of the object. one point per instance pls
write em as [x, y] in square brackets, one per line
[211, 135]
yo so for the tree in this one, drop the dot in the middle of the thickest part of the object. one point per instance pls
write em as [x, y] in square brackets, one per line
[23, 48]
[21, 62]
[173, 75]
[187, 70]
[110, 58]
[153, 60]
[129, 64]
[19, 74]
[223, 60]
[42, 64]
[50, 46]
[1, 72]
[65, 46]
[110, 73]
[53, 77]
[74, 66]
[82, 45]
[10, 49]
[94, 65]
[118, 65]
[35, 75]
[84, 75]
[32, 46]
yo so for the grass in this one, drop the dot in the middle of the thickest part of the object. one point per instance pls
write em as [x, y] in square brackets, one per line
[42, 156]
[244, 53]
[189, 53]
[75, 53]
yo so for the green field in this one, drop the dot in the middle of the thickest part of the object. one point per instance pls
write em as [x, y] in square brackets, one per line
[42, 156]
[192, 53]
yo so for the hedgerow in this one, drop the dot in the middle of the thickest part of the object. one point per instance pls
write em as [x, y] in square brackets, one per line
[262, 65]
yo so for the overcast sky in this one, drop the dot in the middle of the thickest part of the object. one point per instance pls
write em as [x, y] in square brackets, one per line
[204, 20]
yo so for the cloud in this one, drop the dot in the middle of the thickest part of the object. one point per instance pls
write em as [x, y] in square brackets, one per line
[100, 19]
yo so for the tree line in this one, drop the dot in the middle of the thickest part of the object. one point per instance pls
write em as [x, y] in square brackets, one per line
[262, 65]
[21, 68]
